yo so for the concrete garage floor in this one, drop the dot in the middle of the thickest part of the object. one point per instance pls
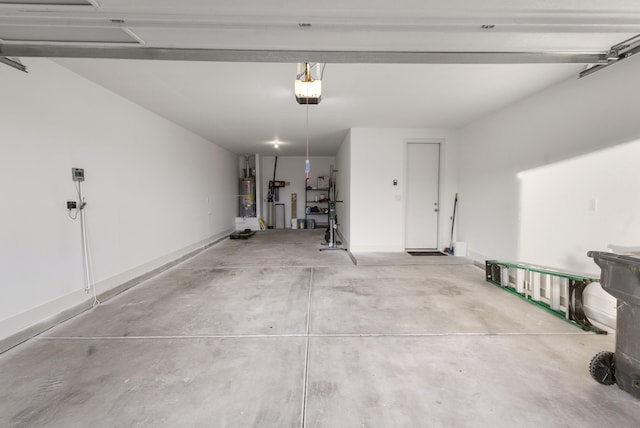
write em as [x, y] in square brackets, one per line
[270, 332]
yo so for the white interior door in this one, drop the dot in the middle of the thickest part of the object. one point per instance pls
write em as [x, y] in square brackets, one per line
[421, 198]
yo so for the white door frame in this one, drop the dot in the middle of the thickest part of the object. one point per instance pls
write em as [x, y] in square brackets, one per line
[407, 141]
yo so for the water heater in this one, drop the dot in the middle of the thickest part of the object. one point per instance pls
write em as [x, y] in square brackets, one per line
[248, 197]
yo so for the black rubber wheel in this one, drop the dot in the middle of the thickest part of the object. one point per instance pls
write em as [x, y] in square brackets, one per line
[603, 368]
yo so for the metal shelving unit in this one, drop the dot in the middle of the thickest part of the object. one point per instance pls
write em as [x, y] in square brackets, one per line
[317, 199]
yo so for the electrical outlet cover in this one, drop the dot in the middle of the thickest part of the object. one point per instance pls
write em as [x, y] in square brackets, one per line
[77, 174]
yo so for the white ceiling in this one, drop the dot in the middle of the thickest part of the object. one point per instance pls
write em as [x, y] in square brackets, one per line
[245, 105]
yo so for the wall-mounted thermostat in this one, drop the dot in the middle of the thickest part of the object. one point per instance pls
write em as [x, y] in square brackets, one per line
[77, 174]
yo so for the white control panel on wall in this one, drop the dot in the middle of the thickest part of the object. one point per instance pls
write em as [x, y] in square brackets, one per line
[77, 174]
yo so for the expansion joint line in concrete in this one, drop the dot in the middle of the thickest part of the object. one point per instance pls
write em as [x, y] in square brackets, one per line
[306, 336]
[305, 376]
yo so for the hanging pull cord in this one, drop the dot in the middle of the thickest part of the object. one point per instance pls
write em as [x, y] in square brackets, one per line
[307, 166]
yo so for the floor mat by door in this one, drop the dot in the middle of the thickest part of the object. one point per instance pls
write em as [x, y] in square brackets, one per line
[427, 253]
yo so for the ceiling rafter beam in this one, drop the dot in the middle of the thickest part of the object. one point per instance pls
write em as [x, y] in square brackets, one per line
[617, 53]
[294, 56]
[334, 24]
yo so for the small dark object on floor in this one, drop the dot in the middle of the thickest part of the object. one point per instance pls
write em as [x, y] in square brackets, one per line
[427, 253]
[245, 234]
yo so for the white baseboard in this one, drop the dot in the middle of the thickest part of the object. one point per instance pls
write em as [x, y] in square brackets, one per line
[17, 329]
[376, 249]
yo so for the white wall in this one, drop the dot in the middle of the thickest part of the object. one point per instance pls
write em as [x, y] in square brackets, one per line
[343, 187]
[154, 191]
[291, 169]
[572, 118]
[587, 202]
[377, 207]
[562, 122]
